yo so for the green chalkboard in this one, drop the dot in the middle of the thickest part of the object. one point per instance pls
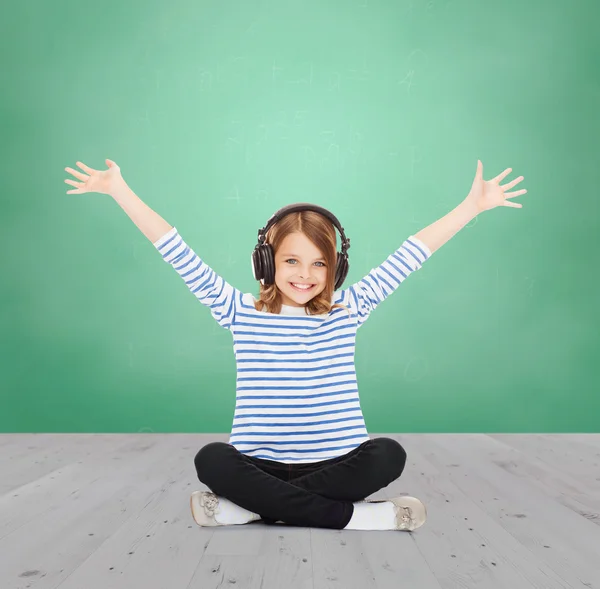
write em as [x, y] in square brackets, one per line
[220, 113]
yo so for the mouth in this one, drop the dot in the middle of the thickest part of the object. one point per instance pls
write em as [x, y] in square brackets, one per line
[302, 289]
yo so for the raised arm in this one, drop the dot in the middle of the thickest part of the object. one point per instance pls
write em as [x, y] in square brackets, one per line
[483, 196]
[438, 233]
[202, 281]
[149, 222]
[111, 182]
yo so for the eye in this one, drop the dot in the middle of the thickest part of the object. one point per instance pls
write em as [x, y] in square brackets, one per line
[290, 259]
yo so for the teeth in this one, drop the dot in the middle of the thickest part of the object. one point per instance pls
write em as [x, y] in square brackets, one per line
[305, 287]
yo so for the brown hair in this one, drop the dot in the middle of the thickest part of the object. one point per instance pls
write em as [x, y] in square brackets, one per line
[318, 229]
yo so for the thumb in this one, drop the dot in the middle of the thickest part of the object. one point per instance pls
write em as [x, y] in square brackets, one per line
[111, 164]
[479, 172]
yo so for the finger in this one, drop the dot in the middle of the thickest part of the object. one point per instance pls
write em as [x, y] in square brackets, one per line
[502, 175]
[514, 205]
[512, 183]
[513, 194]
[85, 168]
[74, 183]
[76, 173]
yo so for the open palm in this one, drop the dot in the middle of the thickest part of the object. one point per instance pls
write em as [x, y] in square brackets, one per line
[488, 194]
[102, 181]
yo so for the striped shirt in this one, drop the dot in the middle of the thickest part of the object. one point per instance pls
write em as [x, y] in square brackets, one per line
[297, 395]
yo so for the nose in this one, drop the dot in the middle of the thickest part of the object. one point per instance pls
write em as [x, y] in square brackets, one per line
[304, 273]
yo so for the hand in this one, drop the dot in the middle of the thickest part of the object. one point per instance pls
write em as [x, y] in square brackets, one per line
[488, 194]
[102, 181]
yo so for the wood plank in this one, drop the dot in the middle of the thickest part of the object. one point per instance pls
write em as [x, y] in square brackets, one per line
[520, 455]
[158, 544]
[462, 544]
[580, 461]
[592, 440]
[45, 455]
[564, 541]
[284, 560]
[116, 514]
[60, 482]
[50, 545]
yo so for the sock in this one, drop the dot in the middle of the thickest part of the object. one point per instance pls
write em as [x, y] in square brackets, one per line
[373, 516]
[228, 513]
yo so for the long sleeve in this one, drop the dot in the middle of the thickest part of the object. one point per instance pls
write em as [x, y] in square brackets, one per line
[382, 281]
[202, 281]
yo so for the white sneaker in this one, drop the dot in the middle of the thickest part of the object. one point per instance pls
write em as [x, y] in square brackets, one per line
[411, 512]
[209, 509]
[204, 504]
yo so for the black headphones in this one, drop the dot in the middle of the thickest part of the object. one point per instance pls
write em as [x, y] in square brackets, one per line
[263, 258]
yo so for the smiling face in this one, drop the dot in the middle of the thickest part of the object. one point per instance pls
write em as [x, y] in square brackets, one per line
[299, 261]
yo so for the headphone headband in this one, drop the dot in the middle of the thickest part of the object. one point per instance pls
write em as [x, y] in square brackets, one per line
[304, 206]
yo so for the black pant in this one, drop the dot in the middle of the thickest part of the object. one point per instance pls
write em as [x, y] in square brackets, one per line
[316, 494]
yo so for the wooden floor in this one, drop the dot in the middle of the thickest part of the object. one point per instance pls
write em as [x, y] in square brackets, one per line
[112, 511]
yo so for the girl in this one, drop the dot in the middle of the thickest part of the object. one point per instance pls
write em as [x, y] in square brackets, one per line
[299, 452]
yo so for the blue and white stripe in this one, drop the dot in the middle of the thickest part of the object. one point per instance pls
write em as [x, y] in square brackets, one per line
[297, 395]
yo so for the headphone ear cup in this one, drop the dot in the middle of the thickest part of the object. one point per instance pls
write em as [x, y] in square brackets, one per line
[341, 270]
[263, 264]
[255, 264]
[268, 263]
[265, 256]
